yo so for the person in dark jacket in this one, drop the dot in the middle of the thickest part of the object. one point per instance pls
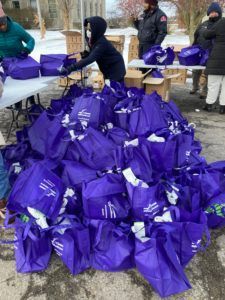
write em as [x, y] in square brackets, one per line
[151, 26]
[109, 60]
[215, 68]
[215, 14]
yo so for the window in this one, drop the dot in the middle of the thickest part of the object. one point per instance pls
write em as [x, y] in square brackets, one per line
[52, 9]
[16, 4]
[33, 4]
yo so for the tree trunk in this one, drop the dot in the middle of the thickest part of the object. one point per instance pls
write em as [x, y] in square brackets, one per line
[66, 20]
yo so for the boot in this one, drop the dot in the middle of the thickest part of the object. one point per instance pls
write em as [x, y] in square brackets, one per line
[208, 107]
[202, 96]
[193, 91]
[222, 109]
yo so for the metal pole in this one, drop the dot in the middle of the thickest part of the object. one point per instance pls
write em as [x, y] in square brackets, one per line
[39, 12]
[82, 22]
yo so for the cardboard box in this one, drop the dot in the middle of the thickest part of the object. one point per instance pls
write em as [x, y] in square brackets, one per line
[117, 41]
[134, 78]
[181, 79]
[72, 78]
[73, 41]
[2, 140]
[161, 85]
[134, 40]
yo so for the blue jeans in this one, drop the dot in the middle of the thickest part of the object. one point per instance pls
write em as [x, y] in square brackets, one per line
[4, 180]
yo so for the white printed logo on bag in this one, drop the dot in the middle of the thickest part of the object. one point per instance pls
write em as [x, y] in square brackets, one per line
[151, 209]
[57, 246]
[83, 115]
[112, 211]
[48, 186]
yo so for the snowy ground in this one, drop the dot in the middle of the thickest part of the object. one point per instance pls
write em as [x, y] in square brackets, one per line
[55, 41]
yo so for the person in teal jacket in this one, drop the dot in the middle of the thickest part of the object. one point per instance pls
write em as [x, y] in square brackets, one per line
[14, 39]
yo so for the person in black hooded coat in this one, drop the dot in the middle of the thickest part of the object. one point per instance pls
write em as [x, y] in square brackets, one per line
[215, 14]
[109, 60]
[215, 68]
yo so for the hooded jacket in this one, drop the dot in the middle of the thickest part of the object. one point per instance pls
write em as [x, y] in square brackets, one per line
[199, 38]
[109, 60]
[216, 62]
[11, 41]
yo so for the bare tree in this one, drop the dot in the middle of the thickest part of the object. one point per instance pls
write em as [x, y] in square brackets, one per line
[66, 6]
[130, 7]
[191, 12]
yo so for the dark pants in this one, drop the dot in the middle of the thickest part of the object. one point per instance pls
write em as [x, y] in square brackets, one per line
[31, 100]
[143, 48]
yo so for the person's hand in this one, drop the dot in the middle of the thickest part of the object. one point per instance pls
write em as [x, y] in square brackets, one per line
[24, 53]
[84, 54]
[63, 71]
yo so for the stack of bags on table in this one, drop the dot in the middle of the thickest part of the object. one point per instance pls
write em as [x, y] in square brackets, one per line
[113, 181]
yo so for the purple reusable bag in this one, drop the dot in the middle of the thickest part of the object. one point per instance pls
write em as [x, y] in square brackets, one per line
[146, 202]
[112, 246]
[138, 159]
[95, 150]
[186, 232]
[117, 135]
[33, 252]
[159, 56]
[149, 119]
[50, 64]
[190, 56]
[75, 173]
[47, 136]
[105, 198]
[21, 68]
[162, 154]
[72, 245]
[157, 261]
[38, 188]
[88, 110]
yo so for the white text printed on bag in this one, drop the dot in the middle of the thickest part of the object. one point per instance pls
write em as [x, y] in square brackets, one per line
[153, 208]
[58, 247]
[112, 211]
[83, 115]
[48, 186]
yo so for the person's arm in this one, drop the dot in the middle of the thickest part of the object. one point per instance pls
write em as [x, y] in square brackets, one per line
[26, 38]
[162, 29]
[94, 55]
[196, 35]
[136, 23]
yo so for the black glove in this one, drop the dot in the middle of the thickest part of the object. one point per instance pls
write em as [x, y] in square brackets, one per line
[63, 71]
[84, 54]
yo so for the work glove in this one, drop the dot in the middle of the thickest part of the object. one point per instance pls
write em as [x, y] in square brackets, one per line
[84, 54]
[24, 53]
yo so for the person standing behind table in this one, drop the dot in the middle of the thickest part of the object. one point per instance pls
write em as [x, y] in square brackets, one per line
[215, 68]
[215, 14]
[151, 26]
[15, 41]
[109, 60]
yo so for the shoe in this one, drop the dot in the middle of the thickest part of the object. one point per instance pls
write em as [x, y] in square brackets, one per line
[222, 109]
[193, 91]
[208, 107]
[202, 96]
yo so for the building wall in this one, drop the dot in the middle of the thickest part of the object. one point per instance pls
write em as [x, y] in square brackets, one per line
[54, 16]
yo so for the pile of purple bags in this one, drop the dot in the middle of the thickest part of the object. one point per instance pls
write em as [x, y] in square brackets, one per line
[113, 181]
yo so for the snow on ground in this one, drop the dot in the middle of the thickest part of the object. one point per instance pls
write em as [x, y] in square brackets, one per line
[55, 41]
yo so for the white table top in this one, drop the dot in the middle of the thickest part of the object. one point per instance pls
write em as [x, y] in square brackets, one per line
[139, 63]
[17, 90]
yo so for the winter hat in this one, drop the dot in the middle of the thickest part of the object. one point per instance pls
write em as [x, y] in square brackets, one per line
[152, 2]
[3, 17]
[214, 7]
